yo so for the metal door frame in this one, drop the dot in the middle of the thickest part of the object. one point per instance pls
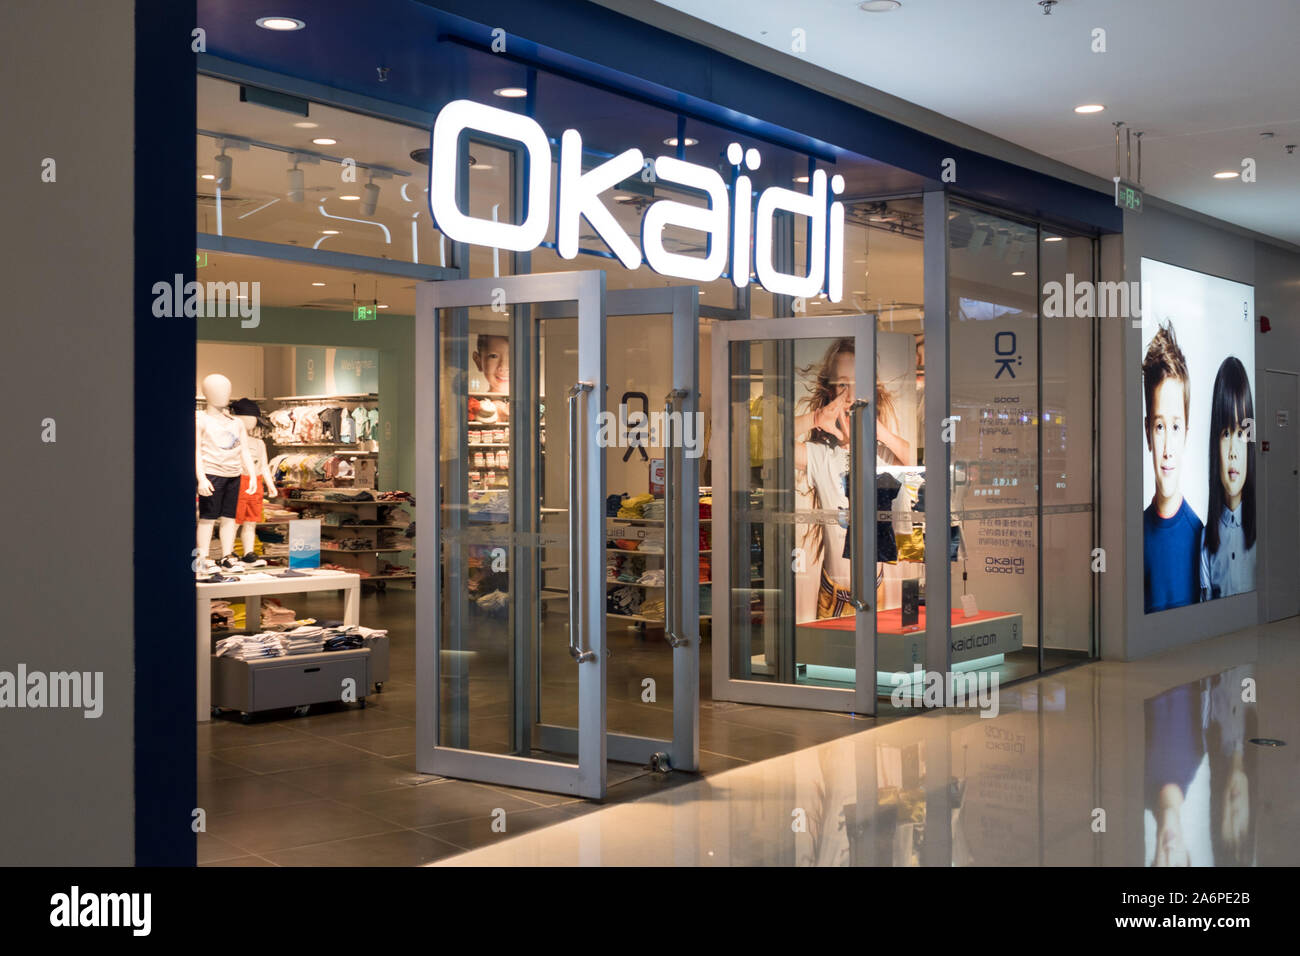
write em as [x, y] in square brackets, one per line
[682, 559]
[588, 777]
[862, 698]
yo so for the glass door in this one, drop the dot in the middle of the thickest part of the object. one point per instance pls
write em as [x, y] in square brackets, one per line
[651, 443]
[511, 482]
[794, 512]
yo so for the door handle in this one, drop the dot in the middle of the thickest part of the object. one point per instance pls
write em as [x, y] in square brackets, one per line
[857, 509]
[576, 650]
[674, 624]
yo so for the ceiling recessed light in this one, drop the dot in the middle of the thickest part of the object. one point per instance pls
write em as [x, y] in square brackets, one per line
[879, 6]
[1227, 174]
[381, 306]
[350, 198]
[511, 92]
[324, 141]
[306, 124]
[207, 176]
[1089, 108]
[672, 141]
[329, 232]
[479, 167]
[281, 24]
[1052, 238]
[1018, 273]
[801, 179]
[318, 283]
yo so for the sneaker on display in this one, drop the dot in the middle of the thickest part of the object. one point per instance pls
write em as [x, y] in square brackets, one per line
[253, 561]
[230, 563]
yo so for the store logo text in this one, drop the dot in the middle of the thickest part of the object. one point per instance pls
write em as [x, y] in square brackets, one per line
[579, 196]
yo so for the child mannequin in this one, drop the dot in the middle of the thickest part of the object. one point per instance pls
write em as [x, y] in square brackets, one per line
[220, 453]
[256, 484]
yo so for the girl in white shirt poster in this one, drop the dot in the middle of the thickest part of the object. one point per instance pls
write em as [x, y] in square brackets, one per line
[821, 461]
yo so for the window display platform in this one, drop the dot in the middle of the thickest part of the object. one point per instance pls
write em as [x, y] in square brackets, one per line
[829, 642]
[250, 589]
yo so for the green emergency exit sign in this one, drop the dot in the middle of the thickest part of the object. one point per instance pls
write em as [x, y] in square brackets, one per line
[1128, 196]
[366, 313]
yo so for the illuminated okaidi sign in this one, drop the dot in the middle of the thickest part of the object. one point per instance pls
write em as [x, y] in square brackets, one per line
[579, 196]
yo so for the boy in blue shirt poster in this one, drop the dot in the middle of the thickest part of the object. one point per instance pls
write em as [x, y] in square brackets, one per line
[1171, 531]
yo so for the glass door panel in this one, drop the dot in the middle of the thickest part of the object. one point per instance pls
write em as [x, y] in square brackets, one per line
[650, 444]
[794, 517]
[510, 597]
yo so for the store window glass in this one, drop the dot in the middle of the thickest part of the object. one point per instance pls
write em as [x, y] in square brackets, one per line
[994, 398]
[1068, 460]
[331, 180]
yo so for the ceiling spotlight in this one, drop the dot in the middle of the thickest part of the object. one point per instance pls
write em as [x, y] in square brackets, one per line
[224, 168]
[1052, 238]
[672, 141]
[371, 200]
[325, 141]
[482, 167]
[280, 24]
[1089, 108]
[306, 124]
[1017, 273]
[1227, 174]
[381, 306]
[329, 232]
[879, 6]
[318, 283]
[801, 179]
[207, 176]
[349, 198]
[296, 182]
[511, 92]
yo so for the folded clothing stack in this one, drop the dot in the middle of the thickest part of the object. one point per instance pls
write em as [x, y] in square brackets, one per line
[654, 509]
[634, 507]
[306, 639]
[653, 609]
[624, 600]
[273, 612]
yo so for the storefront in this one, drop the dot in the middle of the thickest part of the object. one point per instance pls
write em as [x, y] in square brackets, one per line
[612, 337]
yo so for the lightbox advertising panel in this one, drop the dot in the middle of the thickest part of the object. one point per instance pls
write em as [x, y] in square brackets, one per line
[1198, 437]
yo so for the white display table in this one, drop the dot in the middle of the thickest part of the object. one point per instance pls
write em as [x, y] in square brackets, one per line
[251, 590]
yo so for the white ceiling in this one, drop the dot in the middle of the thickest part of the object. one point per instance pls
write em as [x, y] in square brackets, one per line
[1202, 78]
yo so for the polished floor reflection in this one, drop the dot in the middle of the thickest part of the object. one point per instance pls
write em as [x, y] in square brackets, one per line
[1153, 762]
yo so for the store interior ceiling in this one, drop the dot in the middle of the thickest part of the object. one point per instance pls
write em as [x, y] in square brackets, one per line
[1204, 80]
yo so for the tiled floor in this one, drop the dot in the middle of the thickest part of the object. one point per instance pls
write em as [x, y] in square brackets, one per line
[339, 786]
[1066, 774]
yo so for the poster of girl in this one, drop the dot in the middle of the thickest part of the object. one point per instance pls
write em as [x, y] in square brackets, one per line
[1228, 542]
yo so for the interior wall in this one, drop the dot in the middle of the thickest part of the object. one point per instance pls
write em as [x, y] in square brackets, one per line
[67, 794]
[1277, 295]
[1157, 234]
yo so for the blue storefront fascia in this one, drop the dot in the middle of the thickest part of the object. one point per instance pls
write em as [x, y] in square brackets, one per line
[606, 49]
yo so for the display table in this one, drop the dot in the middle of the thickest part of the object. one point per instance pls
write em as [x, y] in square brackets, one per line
[251, 590]
[899, 647]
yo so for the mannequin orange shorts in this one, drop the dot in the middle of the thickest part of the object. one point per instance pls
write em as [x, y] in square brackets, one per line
[249, 507]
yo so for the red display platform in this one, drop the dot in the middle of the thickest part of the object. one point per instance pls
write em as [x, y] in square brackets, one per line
[891, 621]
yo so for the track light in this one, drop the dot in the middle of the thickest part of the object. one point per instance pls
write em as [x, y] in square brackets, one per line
[224, 169]
[296, 182]
[370, 199]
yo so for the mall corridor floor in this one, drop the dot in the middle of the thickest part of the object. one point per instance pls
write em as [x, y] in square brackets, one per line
[1187, 757]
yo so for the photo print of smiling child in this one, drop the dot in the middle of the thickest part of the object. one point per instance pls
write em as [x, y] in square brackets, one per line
[1198, 366]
